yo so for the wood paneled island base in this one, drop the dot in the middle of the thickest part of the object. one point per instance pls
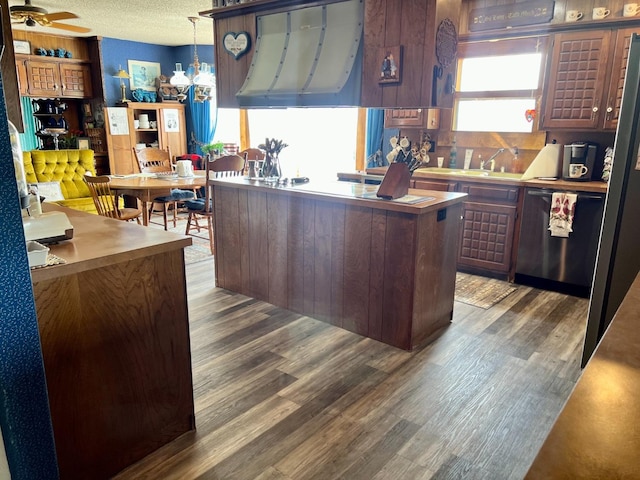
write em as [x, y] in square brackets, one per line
[333, 251]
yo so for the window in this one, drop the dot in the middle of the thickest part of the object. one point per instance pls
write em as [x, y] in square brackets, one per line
[321, 141]
[498, 84]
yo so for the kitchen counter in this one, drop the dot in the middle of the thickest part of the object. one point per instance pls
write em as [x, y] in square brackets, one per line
[597, 434]
[498, 179]
[114, 331]
[384, 269]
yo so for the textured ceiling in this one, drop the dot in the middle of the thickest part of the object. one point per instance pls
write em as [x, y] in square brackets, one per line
[160, 22]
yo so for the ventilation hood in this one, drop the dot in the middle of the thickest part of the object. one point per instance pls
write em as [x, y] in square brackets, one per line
[311, 56]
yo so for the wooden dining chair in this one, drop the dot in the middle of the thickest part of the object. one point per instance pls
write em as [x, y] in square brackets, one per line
[106, 201]
[202, 208]
[155, 160]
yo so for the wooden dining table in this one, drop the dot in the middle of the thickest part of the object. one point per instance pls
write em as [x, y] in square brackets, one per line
[145, 187]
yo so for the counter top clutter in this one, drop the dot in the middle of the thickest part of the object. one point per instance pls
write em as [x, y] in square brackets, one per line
[486, 176]
[114, 395]
[384, 269]
[596, 435]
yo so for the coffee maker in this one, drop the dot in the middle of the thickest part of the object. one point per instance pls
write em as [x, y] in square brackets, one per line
[578, 161]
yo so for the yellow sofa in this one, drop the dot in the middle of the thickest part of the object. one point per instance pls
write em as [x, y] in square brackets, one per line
[66, 167]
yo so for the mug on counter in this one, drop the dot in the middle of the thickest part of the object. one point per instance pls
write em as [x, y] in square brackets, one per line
[577, 170]
[600, 13]
[573, 15]
[631, 9]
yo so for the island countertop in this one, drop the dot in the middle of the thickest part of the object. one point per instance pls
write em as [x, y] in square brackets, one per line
[416, 202]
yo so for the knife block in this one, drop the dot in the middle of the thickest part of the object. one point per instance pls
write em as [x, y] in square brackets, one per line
[395, 183]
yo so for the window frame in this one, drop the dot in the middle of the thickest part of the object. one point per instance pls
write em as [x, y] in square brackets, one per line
[501, 47]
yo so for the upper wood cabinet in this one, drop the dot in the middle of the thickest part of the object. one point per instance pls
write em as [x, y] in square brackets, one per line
[424, 31]
[586, 77]
[427, 118]
[56, 78]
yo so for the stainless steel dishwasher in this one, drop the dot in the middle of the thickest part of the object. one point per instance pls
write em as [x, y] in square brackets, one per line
[556, 263]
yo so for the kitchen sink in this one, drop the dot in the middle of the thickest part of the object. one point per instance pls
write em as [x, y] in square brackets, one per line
[472, 173]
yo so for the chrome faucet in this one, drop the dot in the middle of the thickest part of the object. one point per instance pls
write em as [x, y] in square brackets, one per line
[492, 158]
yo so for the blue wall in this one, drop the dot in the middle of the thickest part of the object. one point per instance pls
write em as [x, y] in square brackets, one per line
[117, 53]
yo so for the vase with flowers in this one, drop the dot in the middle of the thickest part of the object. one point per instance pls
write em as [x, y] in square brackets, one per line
[271, 170]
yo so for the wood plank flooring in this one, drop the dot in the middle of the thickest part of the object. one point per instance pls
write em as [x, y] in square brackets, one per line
[281, 396]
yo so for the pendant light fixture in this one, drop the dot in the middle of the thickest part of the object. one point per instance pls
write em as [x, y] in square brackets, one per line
[198, 75]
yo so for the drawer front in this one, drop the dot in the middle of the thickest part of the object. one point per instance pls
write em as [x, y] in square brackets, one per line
[490, 192]
[436, 185]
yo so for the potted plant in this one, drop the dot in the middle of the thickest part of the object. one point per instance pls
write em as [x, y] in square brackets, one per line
[212, 148]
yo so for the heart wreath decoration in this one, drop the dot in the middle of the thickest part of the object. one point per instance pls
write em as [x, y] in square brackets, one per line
[237, 44]
[530, 115]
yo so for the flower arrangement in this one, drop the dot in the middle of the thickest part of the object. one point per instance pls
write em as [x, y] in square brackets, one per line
[272, 149]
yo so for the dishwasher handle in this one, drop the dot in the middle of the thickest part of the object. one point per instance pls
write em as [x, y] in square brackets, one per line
[581, 196]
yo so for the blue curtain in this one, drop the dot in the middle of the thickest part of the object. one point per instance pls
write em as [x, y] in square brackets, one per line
[375, 131]
[202, 119]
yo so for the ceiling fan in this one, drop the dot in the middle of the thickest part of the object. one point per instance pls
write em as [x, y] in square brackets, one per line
[32, 16]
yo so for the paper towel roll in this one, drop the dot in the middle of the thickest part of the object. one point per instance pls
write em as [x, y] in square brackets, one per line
[546, 163]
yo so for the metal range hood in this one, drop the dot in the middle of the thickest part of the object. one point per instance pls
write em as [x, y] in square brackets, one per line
[311, 56]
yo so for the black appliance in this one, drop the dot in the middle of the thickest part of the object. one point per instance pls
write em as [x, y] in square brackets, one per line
[618, 261]
[578, 161]
[557, 263]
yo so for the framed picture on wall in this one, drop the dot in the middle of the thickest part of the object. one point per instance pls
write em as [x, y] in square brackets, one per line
[84, 143]
[143, 75]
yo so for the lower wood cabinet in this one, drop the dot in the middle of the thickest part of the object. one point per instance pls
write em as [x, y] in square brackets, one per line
[489, 233]
[486, 239]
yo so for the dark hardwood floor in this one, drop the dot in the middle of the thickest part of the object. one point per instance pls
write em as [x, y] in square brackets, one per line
[283, 396]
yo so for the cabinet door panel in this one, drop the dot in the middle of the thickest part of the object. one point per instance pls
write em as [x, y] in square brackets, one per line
[43, 78]
[577, 79]
[76, 81]
[618, 73]
[486, 238]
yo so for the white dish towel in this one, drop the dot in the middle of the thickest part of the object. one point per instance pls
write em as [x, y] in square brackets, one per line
[563, 207]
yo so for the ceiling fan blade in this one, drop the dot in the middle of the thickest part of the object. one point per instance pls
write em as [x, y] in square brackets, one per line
[71, 28]
[52, 17]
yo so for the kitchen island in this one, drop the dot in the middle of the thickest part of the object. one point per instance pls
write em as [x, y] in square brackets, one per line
[114, 331]
[334, 251]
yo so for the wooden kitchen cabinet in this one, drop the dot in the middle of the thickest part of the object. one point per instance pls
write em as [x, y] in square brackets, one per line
[488, 238]
[488, 235]
[57, 78]
[164, 135]
[425, 30]
[427, 118]
[584, 89]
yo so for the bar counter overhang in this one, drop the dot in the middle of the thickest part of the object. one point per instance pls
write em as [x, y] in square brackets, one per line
[384, 269]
